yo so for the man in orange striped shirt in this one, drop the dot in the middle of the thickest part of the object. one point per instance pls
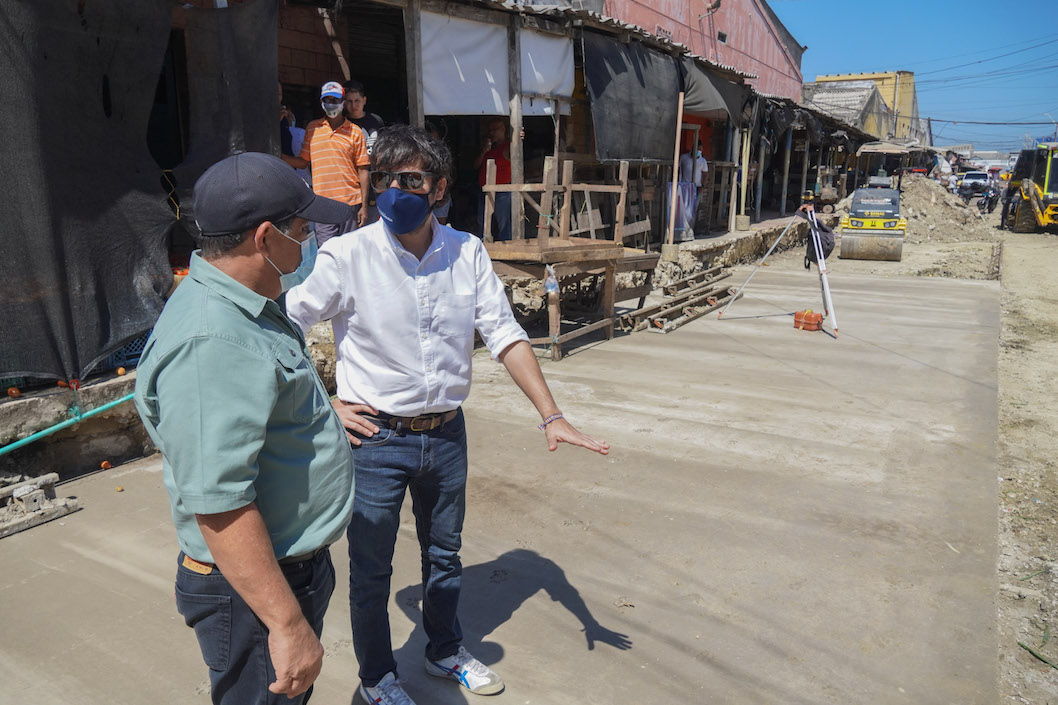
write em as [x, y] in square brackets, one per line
[337, 152]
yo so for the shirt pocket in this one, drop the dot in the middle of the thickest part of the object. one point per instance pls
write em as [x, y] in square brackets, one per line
[301, 396]
[455, 315]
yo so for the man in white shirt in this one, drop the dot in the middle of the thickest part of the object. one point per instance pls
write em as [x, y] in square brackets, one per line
[405, 297]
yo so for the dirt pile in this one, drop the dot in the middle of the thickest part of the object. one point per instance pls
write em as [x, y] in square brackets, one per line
[935, 215]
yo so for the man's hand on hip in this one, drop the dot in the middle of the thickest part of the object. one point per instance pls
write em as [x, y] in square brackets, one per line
[349, 415]
[361, 215]
[297, 656]
[561, 431]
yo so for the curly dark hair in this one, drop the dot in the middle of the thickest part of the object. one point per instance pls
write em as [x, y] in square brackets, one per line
[398, 146]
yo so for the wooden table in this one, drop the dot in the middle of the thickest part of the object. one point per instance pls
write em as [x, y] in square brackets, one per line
[605, 262]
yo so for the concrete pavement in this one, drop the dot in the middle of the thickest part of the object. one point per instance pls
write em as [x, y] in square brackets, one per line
[783, 518]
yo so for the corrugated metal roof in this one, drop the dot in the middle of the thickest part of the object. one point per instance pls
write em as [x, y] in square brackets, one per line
[601, 21]
[845, 100]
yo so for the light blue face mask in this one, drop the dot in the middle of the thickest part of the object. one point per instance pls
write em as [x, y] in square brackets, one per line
[308, 261]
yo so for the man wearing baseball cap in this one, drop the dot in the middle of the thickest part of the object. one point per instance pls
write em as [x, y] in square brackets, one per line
[255, 460]
[337, 152]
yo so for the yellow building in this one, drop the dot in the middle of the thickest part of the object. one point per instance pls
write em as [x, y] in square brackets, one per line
[897, 89]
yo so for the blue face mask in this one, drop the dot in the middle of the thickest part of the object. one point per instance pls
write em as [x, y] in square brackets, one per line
[401, 211]
[308, 260]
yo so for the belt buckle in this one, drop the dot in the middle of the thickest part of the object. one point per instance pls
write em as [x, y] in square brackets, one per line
[431, 422]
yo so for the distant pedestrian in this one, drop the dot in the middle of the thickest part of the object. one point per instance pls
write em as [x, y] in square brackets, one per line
[496, 146]
[255, 461]
[337, 152]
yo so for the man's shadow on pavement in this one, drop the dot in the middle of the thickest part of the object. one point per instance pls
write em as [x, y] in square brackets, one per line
[491, 592]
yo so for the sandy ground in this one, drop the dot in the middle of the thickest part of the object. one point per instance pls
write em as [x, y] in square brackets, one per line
[961, 244]
[785, 518]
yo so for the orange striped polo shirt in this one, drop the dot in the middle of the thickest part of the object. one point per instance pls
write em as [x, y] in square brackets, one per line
[335, 156]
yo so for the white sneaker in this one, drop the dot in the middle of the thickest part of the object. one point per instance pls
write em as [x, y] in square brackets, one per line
[467, 671]
[388, 692]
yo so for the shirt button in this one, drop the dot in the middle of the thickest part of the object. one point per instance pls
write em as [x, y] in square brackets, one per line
[423, 336]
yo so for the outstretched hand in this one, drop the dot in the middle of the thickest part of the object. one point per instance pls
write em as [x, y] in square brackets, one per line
[597, 632]
[562, 431]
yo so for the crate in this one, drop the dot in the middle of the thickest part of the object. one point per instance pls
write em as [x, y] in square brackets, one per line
[128, 355]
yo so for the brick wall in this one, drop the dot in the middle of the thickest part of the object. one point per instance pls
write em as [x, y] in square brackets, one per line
[306, 57]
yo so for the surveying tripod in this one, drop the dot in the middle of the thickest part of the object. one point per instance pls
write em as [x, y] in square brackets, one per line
[808, 208]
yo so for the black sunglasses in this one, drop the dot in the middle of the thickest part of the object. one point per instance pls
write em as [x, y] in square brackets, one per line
[406, 180]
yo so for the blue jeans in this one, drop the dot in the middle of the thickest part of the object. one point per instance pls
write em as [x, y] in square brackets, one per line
[501, 216]
[233, 640]
[433, 466]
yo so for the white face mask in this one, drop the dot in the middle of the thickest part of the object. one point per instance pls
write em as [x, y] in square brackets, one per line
[332, 110]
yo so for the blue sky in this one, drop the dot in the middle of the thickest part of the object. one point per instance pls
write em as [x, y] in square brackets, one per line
[955, 50]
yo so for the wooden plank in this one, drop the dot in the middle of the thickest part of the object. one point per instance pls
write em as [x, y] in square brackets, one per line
[413, 57]
[528, 252]
[490, 198]
[609, 293]
[567, 199]
[512, 188]
[584, 330]
[596, 188]
[545, 221]
[57, 508]
[619, 215]
[514, 78]
[637, 292]
[635, 228]
[554, 323]
[518, 269]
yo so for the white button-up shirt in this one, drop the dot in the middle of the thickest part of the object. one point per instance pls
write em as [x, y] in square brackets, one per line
[404, 328]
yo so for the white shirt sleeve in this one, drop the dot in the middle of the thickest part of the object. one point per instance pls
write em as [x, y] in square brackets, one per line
[493, 317]
[320, 297]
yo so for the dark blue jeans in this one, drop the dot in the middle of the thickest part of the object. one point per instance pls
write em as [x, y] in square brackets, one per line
[233, 640]
[433, 467]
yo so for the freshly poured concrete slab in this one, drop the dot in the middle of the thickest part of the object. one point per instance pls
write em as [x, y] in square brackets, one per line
[783, 518]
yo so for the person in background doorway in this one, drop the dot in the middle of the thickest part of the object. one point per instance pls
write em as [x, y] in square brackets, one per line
[693, 168]
[370, 123]
[355, 104]
[337, 152]
[497, 147]
[405, 297]
[441, 212]
[254, 459]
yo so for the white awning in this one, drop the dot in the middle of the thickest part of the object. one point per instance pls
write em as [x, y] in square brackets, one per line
[464, 66]
[465, 69]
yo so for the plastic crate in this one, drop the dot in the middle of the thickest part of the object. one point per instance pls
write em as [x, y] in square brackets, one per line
[128, 354]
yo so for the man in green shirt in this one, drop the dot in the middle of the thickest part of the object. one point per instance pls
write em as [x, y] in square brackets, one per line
[255, 460]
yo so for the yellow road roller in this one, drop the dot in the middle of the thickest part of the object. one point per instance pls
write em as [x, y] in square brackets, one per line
[873, 229]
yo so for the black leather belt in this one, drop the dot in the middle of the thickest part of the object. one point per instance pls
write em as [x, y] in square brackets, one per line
[303, 557]
[415, 424]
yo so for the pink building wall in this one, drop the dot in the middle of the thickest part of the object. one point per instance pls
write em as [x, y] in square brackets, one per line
[754, 42]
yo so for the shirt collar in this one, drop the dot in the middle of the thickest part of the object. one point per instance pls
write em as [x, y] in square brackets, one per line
[239, 294]
[436, 241]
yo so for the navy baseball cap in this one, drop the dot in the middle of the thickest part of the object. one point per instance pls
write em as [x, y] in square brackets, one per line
[241, 192]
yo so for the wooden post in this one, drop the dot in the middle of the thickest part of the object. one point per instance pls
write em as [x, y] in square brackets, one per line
[413, 54]
[747, 140]
[733, 206]
[675, 171]
[786, 171]
[567, 198]
[543, 227]
[619, 216]
[855, 172]
[490, 198]
[514, 78]
[804, 165]
[760, 177]
[558, 124]
[554, 324]
[819, 170]
[609, 292]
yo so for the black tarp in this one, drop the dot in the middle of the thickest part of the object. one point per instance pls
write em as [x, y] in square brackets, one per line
[232, 65]
[83, 218]
[706, 93]
[634, 94]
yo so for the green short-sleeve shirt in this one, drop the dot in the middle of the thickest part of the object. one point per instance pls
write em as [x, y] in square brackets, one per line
[229, 394]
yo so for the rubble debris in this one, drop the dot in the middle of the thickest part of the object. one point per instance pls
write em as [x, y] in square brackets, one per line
[32, 502]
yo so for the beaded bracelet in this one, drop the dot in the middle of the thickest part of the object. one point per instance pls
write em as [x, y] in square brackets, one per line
[549, 419]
